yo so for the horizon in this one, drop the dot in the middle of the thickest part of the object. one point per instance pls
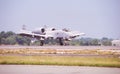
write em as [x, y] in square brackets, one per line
[75, 38]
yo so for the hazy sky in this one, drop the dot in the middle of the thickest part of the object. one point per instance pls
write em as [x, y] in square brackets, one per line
[96, 18]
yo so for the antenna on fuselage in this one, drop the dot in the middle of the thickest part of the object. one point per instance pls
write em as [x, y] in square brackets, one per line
[23, 27]
[45, 27]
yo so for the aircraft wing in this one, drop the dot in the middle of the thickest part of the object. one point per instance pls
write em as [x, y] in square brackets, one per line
[30, 34]
[76, 34]
[81, 34]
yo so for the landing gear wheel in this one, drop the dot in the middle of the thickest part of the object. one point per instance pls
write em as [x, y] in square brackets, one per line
[41, 42]
[61, 41]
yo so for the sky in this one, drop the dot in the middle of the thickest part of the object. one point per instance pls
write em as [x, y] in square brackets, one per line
[96, 18]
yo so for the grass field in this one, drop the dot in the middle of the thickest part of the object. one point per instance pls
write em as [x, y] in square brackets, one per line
[54, 51]
[24, 57]
[61, 60]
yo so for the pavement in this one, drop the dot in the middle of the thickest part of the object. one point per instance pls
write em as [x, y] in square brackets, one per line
[64, 47]
[45, 69]
[112, 49]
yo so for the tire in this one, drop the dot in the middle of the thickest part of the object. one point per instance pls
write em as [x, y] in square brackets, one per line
[41, 42]
[61, 41]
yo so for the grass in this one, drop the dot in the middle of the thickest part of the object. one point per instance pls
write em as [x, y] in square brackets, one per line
[8, 56]
[54, 51]
[61, 60]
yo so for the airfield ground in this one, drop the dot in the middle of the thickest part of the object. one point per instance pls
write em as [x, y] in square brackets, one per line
[45, 69]
[99, 56]
[63, 47]
[61, 50]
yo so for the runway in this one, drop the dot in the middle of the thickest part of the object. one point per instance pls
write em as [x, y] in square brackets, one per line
[86, 51]
[64, 47]
[39, 69]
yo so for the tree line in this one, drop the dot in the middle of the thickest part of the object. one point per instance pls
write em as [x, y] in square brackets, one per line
[10, 38]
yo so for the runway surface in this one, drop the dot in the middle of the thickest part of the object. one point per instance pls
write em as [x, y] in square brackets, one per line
[63, 50]
[64, 47]
[38, 69]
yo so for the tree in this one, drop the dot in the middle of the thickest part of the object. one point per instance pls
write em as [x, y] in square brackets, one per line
[105, 41]
[11, 40]
[94, 42]
[23, 40]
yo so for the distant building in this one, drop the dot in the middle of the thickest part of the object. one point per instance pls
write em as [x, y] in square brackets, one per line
[116, 43]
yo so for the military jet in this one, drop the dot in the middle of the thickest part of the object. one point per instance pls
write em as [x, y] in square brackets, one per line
[53, 33]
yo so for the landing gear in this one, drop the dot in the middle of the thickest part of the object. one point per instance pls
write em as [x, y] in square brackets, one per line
[41, 42]
[61, 41]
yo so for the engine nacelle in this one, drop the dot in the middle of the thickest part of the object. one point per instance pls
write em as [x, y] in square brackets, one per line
[39, 31]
